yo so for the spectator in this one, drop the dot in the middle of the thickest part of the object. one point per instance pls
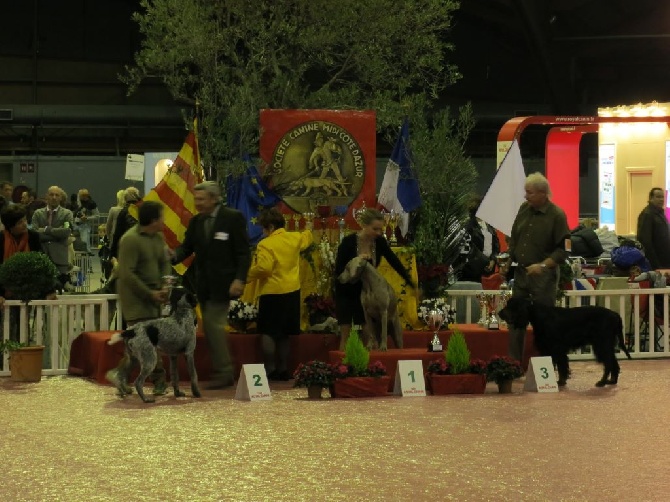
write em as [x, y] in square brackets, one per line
[16, 237]
[143, 262]
[113, 214]
[484, 246]
[54, 224]
[217, 236]
[125, 219]
[653, 232]
[30, 200]
[538, 244]
[277, 267]
[6, 191]
[86, 217]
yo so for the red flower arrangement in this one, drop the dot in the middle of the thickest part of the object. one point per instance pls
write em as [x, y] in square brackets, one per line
[319, 304]
[375, 369]
[442, 367]
[428, 272]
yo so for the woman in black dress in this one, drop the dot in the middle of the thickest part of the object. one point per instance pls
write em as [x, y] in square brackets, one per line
[367, 243]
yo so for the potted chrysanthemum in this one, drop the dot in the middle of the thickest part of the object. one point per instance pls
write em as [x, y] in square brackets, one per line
[314, 375]
[503, 370]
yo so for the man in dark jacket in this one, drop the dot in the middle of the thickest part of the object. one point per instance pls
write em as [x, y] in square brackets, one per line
[653, 232]
[218, 237]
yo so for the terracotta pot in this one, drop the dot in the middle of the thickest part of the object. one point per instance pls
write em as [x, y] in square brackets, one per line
[456, 384]
[314, 391]
[505, 387]
[361, 387]
[25, 364]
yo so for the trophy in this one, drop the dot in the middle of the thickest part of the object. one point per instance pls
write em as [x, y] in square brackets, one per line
[309, 217]
[434, 319]
[296, 218]
[503, 261]
[492, 321]
[341, 211]
[359, 212]
[483, 312]
[287, 221]
[393, 223]
[387, 218]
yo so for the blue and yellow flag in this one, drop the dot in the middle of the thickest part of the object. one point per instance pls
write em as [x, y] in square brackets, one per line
[249, 194]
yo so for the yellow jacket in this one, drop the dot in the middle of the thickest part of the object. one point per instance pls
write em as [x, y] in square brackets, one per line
[276, 264]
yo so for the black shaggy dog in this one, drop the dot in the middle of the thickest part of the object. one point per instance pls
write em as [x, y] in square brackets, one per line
[559, 330]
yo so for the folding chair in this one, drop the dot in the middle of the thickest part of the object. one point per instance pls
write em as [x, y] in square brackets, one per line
[645, 328]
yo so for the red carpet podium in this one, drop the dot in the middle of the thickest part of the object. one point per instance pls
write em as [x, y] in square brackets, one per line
[92, 357]
[482, 343]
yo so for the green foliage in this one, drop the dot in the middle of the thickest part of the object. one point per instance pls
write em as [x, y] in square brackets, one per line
[447, 179]
[10, 345]
[236, 57]
[29, 276]
[355, 353]
[457, 354]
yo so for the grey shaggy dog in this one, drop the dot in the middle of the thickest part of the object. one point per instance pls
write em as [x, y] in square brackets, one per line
[173, 335]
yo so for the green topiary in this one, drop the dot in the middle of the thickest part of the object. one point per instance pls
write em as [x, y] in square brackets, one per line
[29, 276]
[457, 354]
[355, 353]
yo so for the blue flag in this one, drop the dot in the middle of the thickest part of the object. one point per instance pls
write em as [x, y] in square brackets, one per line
[400, 188]
[249, 194]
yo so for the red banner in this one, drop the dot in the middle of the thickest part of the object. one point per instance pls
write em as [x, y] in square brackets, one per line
[320, 158]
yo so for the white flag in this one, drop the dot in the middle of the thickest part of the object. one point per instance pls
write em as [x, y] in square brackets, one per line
[506, 193]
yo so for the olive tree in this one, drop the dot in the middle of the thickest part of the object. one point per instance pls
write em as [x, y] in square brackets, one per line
[236, 57]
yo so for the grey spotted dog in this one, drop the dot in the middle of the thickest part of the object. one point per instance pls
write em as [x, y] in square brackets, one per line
[173, 335]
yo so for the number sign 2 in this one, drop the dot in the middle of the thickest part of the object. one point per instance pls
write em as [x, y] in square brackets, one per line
[540, 376]
[253, 384]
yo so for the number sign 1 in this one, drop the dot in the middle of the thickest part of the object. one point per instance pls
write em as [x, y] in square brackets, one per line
[409, 381]
[253, 384]
[540, 376]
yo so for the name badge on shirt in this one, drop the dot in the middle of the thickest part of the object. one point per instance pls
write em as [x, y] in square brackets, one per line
[221, 236]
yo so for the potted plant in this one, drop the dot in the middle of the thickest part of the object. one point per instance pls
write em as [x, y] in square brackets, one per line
[456, 373]
[241, 315]
[355, 376]
[27, 276]
[319, 308]
[502, 370]
[314, 375]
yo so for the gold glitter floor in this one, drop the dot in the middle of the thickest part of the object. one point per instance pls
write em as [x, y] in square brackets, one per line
[68, 439]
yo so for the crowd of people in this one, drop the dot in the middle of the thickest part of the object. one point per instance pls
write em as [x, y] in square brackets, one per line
[224, 263]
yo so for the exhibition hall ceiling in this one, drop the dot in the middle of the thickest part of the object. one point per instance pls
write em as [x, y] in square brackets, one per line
[517, 57]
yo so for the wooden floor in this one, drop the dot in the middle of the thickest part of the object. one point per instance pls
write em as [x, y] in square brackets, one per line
[69, 439]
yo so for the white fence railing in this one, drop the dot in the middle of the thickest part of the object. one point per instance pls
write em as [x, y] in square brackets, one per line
[56, 323]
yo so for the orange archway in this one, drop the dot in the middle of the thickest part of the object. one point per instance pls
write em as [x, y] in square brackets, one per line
[562, 151]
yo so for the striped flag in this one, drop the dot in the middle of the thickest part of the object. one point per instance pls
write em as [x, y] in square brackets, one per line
[175, 191]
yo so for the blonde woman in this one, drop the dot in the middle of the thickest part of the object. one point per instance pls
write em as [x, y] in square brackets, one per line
[113, 214]
[367, 243]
